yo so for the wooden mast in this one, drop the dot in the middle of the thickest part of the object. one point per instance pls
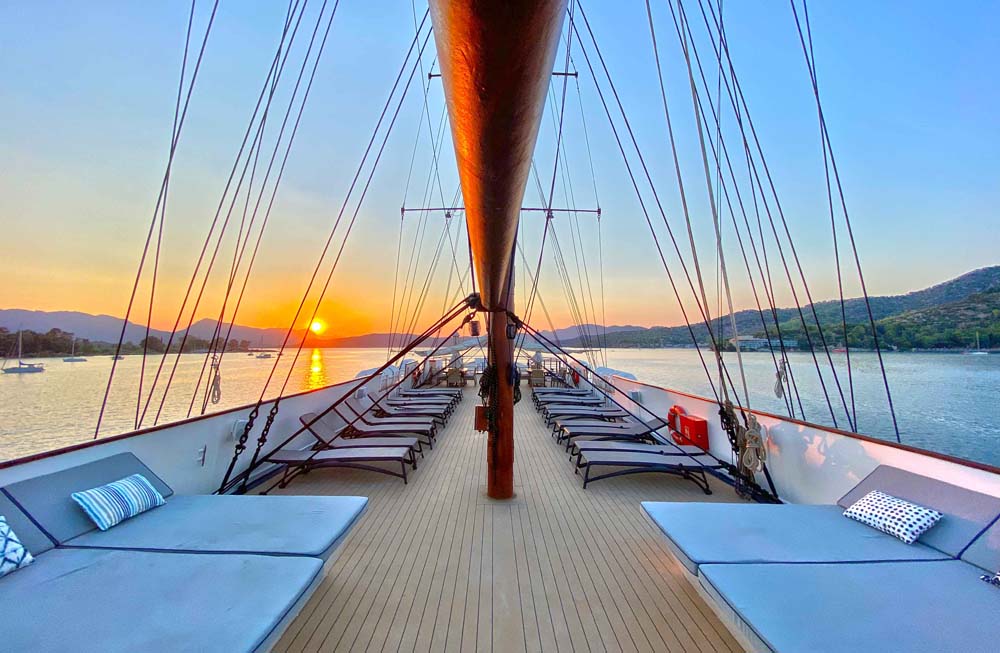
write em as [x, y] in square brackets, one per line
[496, 61]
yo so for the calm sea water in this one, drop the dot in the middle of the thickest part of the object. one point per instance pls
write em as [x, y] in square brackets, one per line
[944, 402]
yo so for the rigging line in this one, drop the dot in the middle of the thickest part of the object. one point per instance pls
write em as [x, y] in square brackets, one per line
[225, 223]
[431, 269]
[649, 222]
[774, 193]
[413, 154]
[811, 65]
[649, 180]
[562, 107]
[422, 222]
[656, 197]
[253, 174]
[451, 270]
[426, 89]
[395, 284]
[683, 193]
[597, 202]
[406, 190]
[584, 273]
[277, 182]
[560, 353]
[166, 191]
[765, 279]
[564, 277]
[275, 68]
[350, 226]
[239, 248]
[149, 235]
[850, 232]
[460, 275]
[358, 416]
[755, 177]
[555, 166]
[229, 481]
[545, 311]
[340, 214]
[579, 251]
[715, 217]
[725, 193]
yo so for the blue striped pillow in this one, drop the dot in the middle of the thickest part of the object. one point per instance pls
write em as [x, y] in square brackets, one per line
[115, 502]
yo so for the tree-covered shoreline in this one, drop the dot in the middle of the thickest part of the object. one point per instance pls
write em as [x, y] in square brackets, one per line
[56, 343]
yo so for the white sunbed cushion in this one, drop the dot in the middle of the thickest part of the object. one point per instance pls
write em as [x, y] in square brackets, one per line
[117, 501]
[13, 555]
[893, 516]
[917, 607]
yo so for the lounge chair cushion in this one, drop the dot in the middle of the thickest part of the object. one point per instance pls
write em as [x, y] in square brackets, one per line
[109, 601]
[113, 503]
[47, 498]
[282, 525]
[891, 606]
[966, 513]
[703, 533]
[30, 535]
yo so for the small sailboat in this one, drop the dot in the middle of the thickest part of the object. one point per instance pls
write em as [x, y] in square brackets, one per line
[73, 358]
[22, 367]
[260, 352]
[978, 351]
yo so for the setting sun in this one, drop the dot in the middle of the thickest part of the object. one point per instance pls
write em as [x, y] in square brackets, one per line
[317, 327]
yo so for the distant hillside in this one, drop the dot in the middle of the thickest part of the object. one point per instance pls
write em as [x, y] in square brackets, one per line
[106, 329]
[954, 324]
[98, 328]
[750, 322]
[944, 313]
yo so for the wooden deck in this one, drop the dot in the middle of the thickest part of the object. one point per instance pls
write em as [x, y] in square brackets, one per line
[436, 565]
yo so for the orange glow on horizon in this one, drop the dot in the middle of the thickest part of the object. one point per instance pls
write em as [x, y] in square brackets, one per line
[318, 326]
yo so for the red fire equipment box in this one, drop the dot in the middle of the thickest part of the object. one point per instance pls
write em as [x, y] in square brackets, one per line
[688, 429]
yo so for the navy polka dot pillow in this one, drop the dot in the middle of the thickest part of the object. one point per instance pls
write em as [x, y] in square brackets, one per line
[892, 515]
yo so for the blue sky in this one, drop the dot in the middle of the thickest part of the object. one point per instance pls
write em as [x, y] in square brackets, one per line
[910, 93]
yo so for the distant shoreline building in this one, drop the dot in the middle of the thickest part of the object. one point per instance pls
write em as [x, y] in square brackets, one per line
[754, 343]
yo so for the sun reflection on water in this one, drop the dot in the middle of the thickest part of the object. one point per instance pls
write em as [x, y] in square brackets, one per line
[317, 377]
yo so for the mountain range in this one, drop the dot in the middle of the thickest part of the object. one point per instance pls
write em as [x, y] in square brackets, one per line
[944, 311]
[953, 308]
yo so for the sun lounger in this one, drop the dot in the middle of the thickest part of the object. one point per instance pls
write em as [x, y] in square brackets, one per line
[545, 391]
[926, 606]
[442, 405]
[634, 430]
[331, 437]
[689, 467]
[200, 573]
[367, 425]
[634, 446]
[560, 412]
[565, 400]
[452, 395]
[384, 409]
[827, 570]
[362, 458]
[714, 533]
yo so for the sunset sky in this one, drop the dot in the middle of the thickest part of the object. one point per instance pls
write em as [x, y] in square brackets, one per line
[910, 92]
